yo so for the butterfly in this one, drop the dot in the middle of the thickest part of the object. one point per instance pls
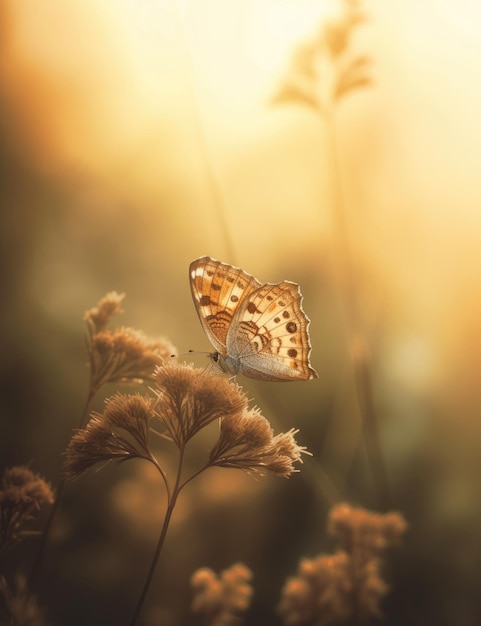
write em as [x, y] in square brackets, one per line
[259, 330]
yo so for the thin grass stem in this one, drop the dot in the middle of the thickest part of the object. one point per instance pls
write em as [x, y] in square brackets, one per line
[356, 336]
[161, 471]
[218, 204]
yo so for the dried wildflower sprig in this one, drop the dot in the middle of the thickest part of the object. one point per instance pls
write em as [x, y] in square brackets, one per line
[363, 531]
[20, 606]
[23, 494]
[323, 68]
[121, 355]
[99, 316]
[221, 600]
[186, 401]
[121, 432]
[125, 355]
[346, 587]
[247, 442]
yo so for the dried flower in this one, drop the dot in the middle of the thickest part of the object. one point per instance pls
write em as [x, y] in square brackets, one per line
[365, 531]
[189, 399]
[125, 355]
[247, 442]
[99, 316]
[221, 600]
[122, 355]
[338, 29]
[22, 495]
[323, 68]
[332, 589]
[21, 606]
[300, 84]
[319, 594]
[131, 413]
[121, 432]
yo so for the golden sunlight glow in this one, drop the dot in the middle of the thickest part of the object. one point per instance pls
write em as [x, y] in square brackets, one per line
[300, 140]
[154, 99]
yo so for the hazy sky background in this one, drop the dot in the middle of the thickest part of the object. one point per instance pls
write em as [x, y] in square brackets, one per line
[132, 97]
[131, 129]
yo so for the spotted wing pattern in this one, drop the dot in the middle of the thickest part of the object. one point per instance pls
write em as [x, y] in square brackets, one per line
[269, 335]
[258, 329]
[218, 289]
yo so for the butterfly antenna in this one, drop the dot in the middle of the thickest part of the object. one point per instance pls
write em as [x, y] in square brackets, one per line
[174, 356]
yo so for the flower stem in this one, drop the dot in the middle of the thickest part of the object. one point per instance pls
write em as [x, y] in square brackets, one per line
[165, 526]
[356, 336]
[58, 496]
[218, 201]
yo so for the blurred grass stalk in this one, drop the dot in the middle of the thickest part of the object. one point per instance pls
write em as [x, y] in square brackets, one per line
[324, 69]
[218, 203]
[357, 342]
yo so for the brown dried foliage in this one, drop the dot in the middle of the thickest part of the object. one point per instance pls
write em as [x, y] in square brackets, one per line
[345, 586]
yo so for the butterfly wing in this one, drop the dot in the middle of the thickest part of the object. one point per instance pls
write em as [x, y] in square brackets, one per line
[269, 336]
[218, 290]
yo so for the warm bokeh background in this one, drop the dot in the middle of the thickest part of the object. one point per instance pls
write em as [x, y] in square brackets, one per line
[137, 136]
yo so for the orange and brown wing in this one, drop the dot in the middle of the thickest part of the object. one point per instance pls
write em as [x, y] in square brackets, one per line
[218, 289]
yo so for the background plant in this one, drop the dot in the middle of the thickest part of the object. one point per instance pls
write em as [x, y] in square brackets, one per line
[23, 497]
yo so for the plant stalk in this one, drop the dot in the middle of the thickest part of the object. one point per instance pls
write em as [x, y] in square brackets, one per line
[163, 533]
[356, 336]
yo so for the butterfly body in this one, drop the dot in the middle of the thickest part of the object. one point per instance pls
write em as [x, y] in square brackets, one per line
[259, 330]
